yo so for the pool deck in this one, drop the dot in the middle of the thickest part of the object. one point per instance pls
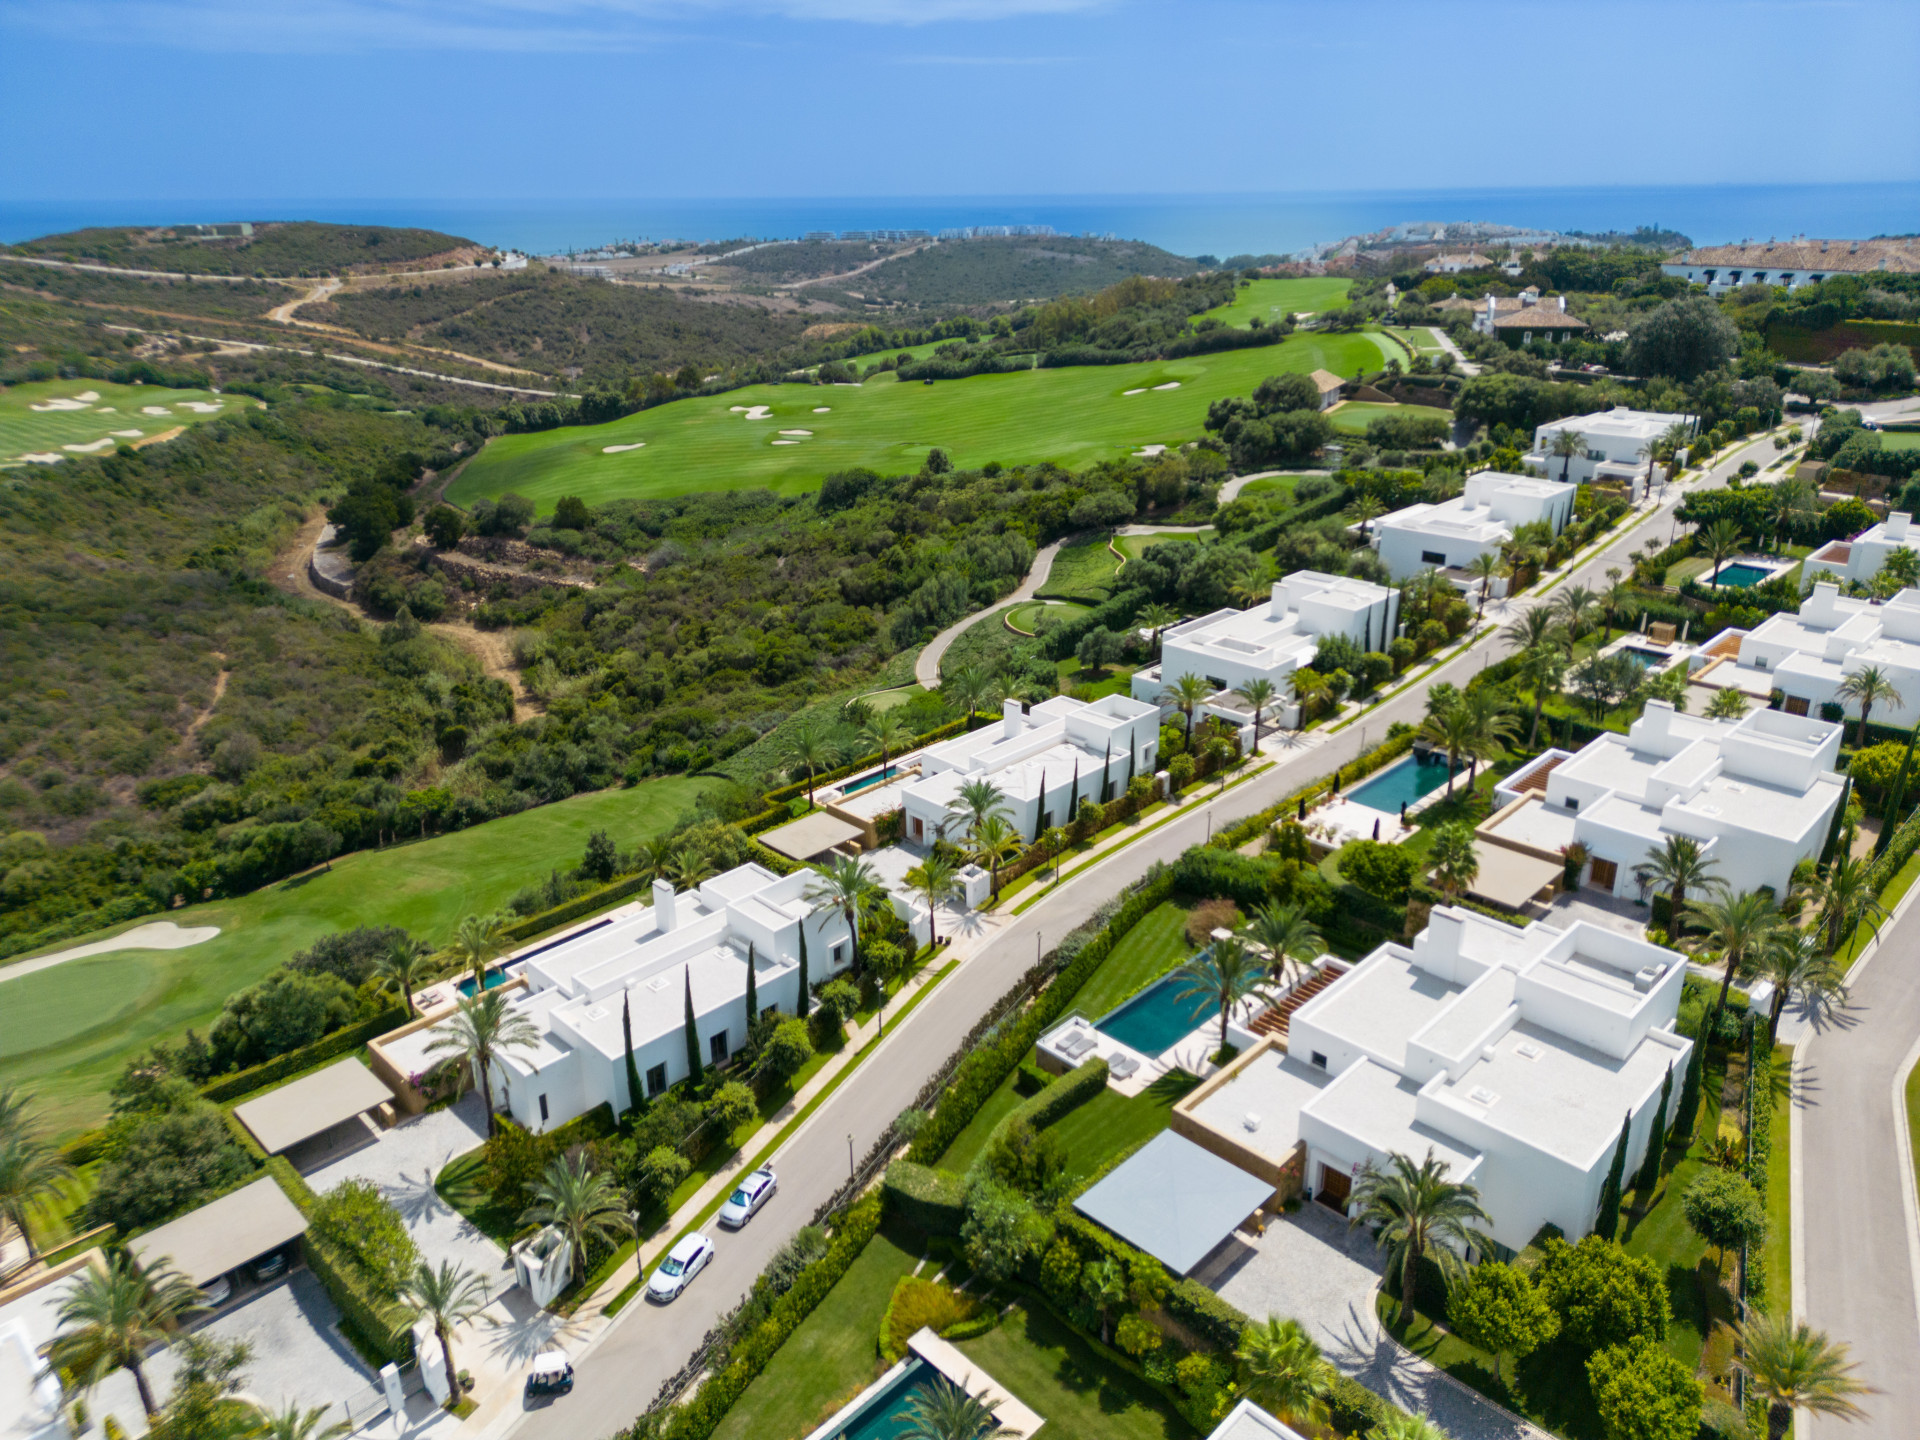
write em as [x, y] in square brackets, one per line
[1193, 1052]
[1007, 1411]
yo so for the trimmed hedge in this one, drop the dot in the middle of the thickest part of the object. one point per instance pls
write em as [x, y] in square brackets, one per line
[597, 1124]
[1391, 749]
[934, 1200]
[578, 908]
[242, 1083]
[385, 1326]
[827, 777]
[1069, 1092]
[1205, 1313]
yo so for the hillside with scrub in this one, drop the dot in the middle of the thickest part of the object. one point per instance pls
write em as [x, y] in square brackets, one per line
[271, 248]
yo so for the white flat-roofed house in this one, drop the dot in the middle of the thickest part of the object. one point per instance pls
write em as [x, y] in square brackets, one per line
[1512, 1055]
[1758, 793]
[1860, 558]
[1269, 642]
[1481, 518]
[1044, 761]
[646, 960]
[1808, 657]
[1618, 446]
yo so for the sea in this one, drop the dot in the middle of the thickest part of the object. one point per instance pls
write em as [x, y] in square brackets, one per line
[1218, 225]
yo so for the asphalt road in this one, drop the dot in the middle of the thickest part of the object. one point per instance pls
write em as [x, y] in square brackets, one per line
[646, 1344]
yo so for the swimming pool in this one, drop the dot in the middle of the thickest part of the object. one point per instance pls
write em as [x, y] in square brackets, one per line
[1645, 659]
[878, 777]
[1157, 1018]
[1413, 778]
[883, 1414]
[1740, 576]
[496, 977]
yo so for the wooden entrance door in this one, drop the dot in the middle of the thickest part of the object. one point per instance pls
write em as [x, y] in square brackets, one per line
[1796, 705]
[1336, 1187]
[1605, 874]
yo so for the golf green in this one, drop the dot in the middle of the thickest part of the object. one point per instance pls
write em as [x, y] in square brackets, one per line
[1355, 415]
[1272, 300]
[64, 418]
[66, 1031]
[788, 437]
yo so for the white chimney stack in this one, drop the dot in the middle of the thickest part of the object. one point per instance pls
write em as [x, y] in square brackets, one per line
[663, 905]
[1277, 608]
[1012, 718]
[1897, 524]
[1563, 303]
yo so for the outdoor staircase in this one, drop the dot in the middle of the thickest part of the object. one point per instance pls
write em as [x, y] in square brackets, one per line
[1275, 1018]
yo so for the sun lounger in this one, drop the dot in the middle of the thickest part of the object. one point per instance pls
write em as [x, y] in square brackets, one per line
[1121, 1066]
[1076, 1044]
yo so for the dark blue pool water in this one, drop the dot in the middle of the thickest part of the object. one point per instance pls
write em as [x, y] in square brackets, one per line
[496, 977]
[1411, 779]
[1645, 659]
[1741, 576]
[1157, 1018]
[884, 1414]
[876, 778]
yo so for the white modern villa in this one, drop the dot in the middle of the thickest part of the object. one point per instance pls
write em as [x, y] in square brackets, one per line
[1618, 445]
[1044, 761]
[1861, 557]
[1758, 793]
[1511, 1055]
[1269, 642]
[644, 960]
[1480, 519]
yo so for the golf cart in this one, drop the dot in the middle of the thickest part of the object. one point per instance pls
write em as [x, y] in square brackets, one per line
[552, 1374]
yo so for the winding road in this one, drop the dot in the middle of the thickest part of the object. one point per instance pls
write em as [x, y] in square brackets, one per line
[926, 666]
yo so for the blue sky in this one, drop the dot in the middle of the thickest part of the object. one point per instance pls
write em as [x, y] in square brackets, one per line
[274, 99]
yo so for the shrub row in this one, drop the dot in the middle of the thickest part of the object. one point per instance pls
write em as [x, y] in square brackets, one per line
[346, 1039]
[579, 907]
[827, 777]
[1234, 836]
[383, 1325]
[1068, 1093]
[934, 1200]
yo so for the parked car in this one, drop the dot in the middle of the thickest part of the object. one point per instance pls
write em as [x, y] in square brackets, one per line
[216, 1291]
[749, 1196]
[270, 1267]
[552, 1374]
[676, 1272]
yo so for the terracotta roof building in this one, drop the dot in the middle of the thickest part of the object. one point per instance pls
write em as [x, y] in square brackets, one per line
[1793, 263]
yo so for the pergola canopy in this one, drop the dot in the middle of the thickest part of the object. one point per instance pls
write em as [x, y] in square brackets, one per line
[1510, 878]
[225, 1234]
[1175, 1200]
[811, 835]
[282, 1118]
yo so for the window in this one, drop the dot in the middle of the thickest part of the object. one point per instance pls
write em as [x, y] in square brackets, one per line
[1572, 804]
[656, 1079]
[717, 1047]
[1319, 1060]
[839, 952]
[1433, 557]
[543, 1109]
[769, 1009]
[1596, 455]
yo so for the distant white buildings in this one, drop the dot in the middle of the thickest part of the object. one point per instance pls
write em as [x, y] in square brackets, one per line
[1757, 793]
[1481, 518]
[1269, 642]
[1044, 762]
[1861, 557]
[1454, 261]
[1618, 445]
[1793, 263]
[1512, 1055]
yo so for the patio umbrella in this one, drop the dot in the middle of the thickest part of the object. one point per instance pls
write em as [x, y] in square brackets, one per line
[1336, 782]
[1376, 829]
[1302, 815]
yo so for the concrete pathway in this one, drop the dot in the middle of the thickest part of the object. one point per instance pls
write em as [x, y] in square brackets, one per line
[926, 666]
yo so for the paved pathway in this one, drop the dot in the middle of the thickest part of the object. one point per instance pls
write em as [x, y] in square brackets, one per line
[926, 667]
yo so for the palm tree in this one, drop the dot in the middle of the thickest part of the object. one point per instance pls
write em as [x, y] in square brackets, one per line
[1486, 567]
[1455, 862]
[967, 690]
[943, 1411]
[1473, 727]
[1406, 1425]
[1309, 688]
[1156, 618]
[1867, 687]
[1566, 445]
[1677, 867]
[978, 799]
[884, 731]
[293, 1423]
[1575, 606]
[1719, 542]
[992, 843]
[1284, 1372]
[1846, 899]
[1740, 927]
[111, 1318]
[1727, 703]
[1615, 600]
[1902, 568]
[1259, 695]
[1534, 628]
[482, 1029]
[1366, 509]
[812, 749]
[1184, 695]
[1792, 500]
[1285, 933]
[1542, 669]
[1799, 968]
[581, 1202]
[401, 968]
[656, 857]
[1225, 973]
[31, 1170]
[850, 886]
[448, 1296]
[688, 868]
[1106, 1286]
[933, 880]
[477, 943]
[1417, 1212]
[1799, 1368]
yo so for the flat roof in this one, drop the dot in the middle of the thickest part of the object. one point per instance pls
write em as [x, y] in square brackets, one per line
[1174, 1200]
[810, 835]
[1260, 1106]
[1382, 1003]
[225, 1234]
[1539, 825]
[1380, 1109]
[281, 1119]
[1510, 878]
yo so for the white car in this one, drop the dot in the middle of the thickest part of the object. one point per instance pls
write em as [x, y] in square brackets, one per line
[683, 1262]
[216, 1291]
[746, 1200]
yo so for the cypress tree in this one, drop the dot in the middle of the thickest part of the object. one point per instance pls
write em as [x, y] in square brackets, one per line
[1073, 793]
[1689, 1111]
[1896, 797]
[1106, 773]
[696, 1071]
[1839, 822]
[1649, 1175]
[753, 991]
[805, 1002]
[1040, 811]
[1130, 761]
[636, 1096]
[1608, 1220]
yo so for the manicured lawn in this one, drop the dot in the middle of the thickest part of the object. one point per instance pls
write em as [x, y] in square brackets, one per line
[1270, 486]
[1900, 439]
[1890, 897]
[1779, 1246]
[1153, 947]
[1073, 416]
[1027, 617]
[112, 410]
[1083, 572]
[1046, 1367]
[1913, 1117]
[972, 1140]
[66, 1032]
[1274, 300]
[1111, 1123]
[463, 1185]
[832, 1356]
[1354, 415]
[1549, 1387]
[1134, 546]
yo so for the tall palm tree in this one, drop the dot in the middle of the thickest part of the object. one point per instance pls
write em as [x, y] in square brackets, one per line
[850, 886]
[1455, 862]
[1418, 1212]
[581, 1202]
[448, 1296]
[1542, 669]
[688, 868]
[979, 798]
[812, 749]
[401, 968]
[1719, 542]
[1285, 933]
[480, 1031]
[1225, 973]
[935, 881]
[31, 1170]
[1565, 446]
[293, 1423]
[1155, 619]
[1185, 694]
[477, 943]
[1106, 1286]
[1799, 1368]
[1473, 727]
[1677, 867]
[1574, 606]
[1867, 687]
[1486, 567]
[656, 857]
[943, 1411]
[885, 732]
[111, 1318]
[1259, 693]
[1284, 1372]
[1846, 897]
[1792, 500]
[992, 843]
[1615, 601]
[967, 690]
[1365, 510]
[1309, 688]
[1740, 927]
[1799, 968]
[1534, 628]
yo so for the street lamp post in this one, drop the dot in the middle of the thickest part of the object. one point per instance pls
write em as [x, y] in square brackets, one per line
[850, 1169]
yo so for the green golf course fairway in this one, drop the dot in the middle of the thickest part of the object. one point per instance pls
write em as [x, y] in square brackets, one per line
[1070, 416]
[26, 431]
[1272, 299]
[67, 1031]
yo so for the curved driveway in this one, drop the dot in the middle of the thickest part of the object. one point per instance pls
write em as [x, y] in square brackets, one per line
[926, 667]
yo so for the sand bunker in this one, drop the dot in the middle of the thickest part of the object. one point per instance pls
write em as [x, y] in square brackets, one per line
[796, 432]
[156, 935]
[108, 410]
[88, 397]
[43, 457]
[59, 403]
[759, 412]
[618, 449]
[736, 409]
[1147, 451]
[155, 410]
[1141, 391]
[821, 409]
[128, 434]
[1170, 385]
[92, 447]
[204, 407]
[786, 442]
